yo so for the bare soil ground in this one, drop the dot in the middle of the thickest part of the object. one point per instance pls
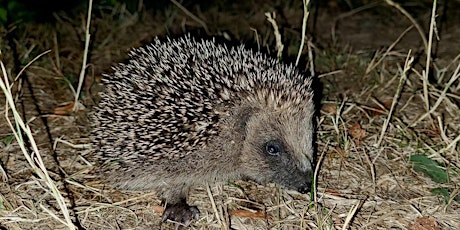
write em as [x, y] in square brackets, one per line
[373, 116]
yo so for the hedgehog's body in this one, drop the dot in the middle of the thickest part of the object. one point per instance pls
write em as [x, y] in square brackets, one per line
[183, 112]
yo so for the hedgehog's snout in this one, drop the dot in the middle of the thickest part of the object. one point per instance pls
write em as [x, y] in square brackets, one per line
[305, 185]
[294, 179]
[301, 182]
[304, 188]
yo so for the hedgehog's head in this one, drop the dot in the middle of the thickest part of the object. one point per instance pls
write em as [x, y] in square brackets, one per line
[278, 135]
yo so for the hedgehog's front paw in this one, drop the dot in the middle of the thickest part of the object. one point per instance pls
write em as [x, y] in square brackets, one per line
[180, 213]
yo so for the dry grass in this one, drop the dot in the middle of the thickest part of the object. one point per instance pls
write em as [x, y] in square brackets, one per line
[379, 107]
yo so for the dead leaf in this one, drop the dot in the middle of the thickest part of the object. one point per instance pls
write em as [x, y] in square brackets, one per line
[329, 109]
[158, 209]
[387, 104]
[249, 214]
[64, 109]
[67, 108]
[425, 223]
[356, 131]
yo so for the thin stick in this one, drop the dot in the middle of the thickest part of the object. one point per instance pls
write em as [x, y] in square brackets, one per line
[315, 175]
[214, 207]
[407, 66]
[451, 145]
[30, 63]
[306, 13]
[4, 175]
[279, 43]
[412, 20]
[372, 65]
[85, 56]
[441, 97]
[310, 57]
[116, 204]
[428, 57]
[341, 17]
[190, 14]
[351, 214]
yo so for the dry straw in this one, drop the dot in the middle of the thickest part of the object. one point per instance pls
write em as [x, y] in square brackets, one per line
[85, 56]
[34, 159]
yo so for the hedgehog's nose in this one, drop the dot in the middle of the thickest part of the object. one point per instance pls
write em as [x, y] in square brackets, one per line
[304, 189]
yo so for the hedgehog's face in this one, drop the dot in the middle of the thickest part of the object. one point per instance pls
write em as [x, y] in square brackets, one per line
[278, 147]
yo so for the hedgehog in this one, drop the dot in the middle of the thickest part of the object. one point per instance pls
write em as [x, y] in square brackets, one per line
[184, 112]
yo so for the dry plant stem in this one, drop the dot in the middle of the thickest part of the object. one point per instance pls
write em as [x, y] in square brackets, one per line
[87, 188]
[28, 64]
[279, 44]
[56, 52]
[451, 145]
[75, 146]
[35, 161]
[402, 80]
[381, 218]
[115, 204]
[372, 65]
[4, 175]
[412, 20]
[371, 167]
[329, 74]
[85, 56]
[323, 220]
[52, 214]
[452, 198]
[315, 175]
[214, 208]
[351, 214]
[348, 14]
[335, 120]
[190, 14]
[306, 13]
[310, 57]
[442, 131]
[428, 57]
[452, 80]
[256, 36]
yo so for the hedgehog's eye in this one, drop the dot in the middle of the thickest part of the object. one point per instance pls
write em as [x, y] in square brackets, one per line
[273, 148]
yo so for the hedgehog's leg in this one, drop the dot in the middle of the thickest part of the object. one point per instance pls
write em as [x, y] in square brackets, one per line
[180, 212]
[177, 209]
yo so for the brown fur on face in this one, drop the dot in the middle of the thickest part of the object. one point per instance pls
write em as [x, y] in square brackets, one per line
[290, 128]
